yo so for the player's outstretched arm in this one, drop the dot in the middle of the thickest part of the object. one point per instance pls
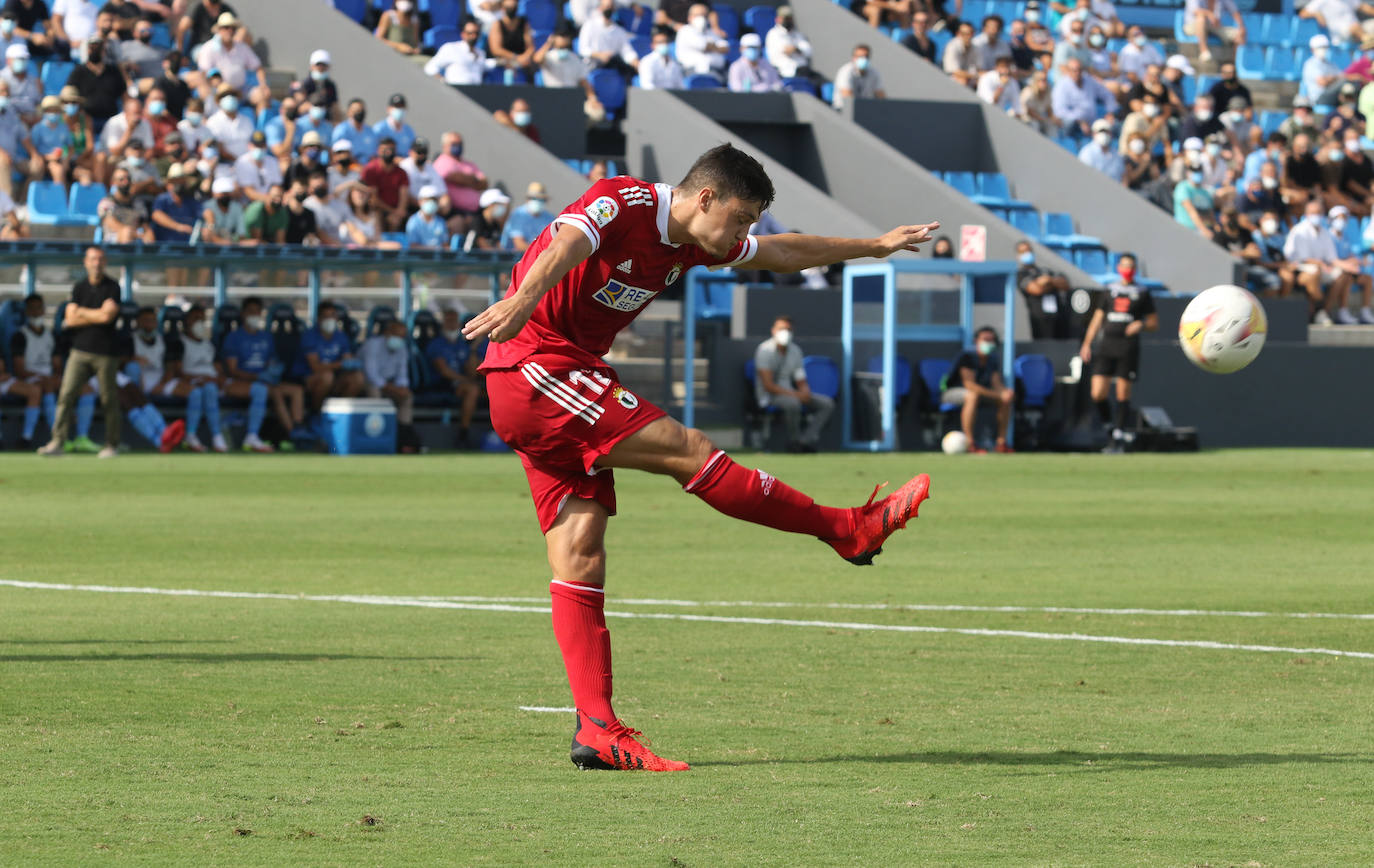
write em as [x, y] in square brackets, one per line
[792, 252]
[504, 319]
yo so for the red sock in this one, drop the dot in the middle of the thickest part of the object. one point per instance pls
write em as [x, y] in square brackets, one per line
[579, 624]
[755, 496]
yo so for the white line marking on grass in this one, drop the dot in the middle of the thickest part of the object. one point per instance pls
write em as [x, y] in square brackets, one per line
[546, 709]
[368, 600]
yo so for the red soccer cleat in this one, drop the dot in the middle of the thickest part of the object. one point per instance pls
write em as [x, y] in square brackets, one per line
[171, 436]
[1004, 449]
[875, 522]
[598, 746]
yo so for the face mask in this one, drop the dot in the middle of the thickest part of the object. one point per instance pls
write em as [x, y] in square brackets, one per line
[6, 26]
[397, 115]
[663, 49]
[521, 119]
[95, 54]
[122, 189]
[386, 156]
[1102, 139]
[1097, 40]
[1140, 41]
[404, 6]
[861, 64]
[395, 343]
[1195, 177]
[750, 53]
[194, 118]
[19, 66]
[1136, 146]
[430, 207]
[606, 14]
[328, 326]
[145, 38]
[134, 161]
[1150, 110]
[1203, 115]
[317, 113]
[420, 160]
[986, 348]
[559, 54]
[1338, 224]
[1214, 149]
[1127, 274]
[256, 154]
[534, 206]
[1313, 220]
[1269, 227]
[1269, 183]
[318, 75]
[4, 103]
[255, 323]
[1336, 156]
[498, 211]
[147, 334]
[1320, 53]
[199, 330]
[224, 201]
[455, 151]
[212, 154]
[1352, 145]
[70, 109]
[156, 107]
[782, 337]
[699, 23]
[1076, 38]
[358, 117]
[319, 192]
[1026, 258]
[313, 154]
[229, 103]
[1032, 16]
[788, 24]
[1082, 14]
[453, 336]
[52, 119]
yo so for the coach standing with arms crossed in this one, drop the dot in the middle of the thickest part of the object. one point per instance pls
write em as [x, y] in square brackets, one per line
[90, 315]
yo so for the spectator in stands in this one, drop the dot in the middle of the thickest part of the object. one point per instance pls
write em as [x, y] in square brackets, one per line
[943, 248]
[391, 185]
[490, 221]
[1331, 166]
[249, 357]
[1357, 175]
[961, 60]
[174, 153]
[320, 82]
[463, 179]
[1302, 175]
[37, 366]
[281, 130]
[177, 210]
[394, 125]
[200, 23]
[51, 139]
[786, 47]
[780, 381]
[229, 126]
[1203, 122]
[326, 363]
[399, 27]
[1342, 232]
[1321, 79]
[265, 219]
[461, 61]
[511, 38]
[17, 153]
[343, 170]
[1229, 88]
[256, 171]
[386, 370]
[699, 48]
[1260, 194]
[751, 73]
[73, 22]
[1046, 294]
[25, 91]
[20, 389]
[989, 45]
[998, 87]
[658, 70]
[301, 226]
[1039, 39]
[858, 79]
[126, 127]
[677, 14]
[918, 40]
[1138, 53]
[453, 366]
[1301, 121]
[330, 211]
[123, 217]
[606, 45]
[977, 378]
[169, 81]
[1203, 18]
[420, 172]
[142, 61]
[1338, 18]
[1074, 46]
[194, 132]
[143, 175]
[100, 84]
[315, 118]
[1345, 117]
[222, 219]
[484, 11]
[212, 167]
[578, 11]
[1102, 63]
[159, 119]
[87, 164]
[1273, 152]
[29, 16]
[231, 56]
[1142, 170]
[1312, 250]
[362, 139]
[562, 67]
[1100, 154]
[1022, 56]
[1269, 238]
[520, 118]
[363, 225]
[1037, 105]
[1148, 123]
[525, 223]
[1233, 237]
[1240, 126]
[1079, 100]
[1170, 103]
[426, 229]
[1193, 202]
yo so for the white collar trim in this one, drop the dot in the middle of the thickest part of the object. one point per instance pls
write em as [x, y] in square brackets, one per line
[665, 201]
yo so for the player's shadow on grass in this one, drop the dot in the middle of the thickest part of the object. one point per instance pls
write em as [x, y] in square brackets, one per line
[194, 657]
[1084, 760]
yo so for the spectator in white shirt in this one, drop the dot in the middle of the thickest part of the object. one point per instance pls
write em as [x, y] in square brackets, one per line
[786, 47]
[124, 127]
[1082, 11]
[192, 124]
[605, 44]
[857, 79]
[657, 69]
[229, 126]
[1339, 18]
[461, 61]
[563, 68]
[421, 172]
[485, 11]
[960, 60]
[73, 21]
[232, 58]
[1137, 54]
[699, 50]
[989, 45]
[581, 10]
[998, 87]
[256, 170]
[751, 73]
[1312, 249]
[1203, 17]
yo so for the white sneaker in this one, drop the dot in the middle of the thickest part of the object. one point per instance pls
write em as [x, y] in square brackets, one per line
[253, 443]
[1345, 317]
[1366, 316]
[1322, 318]
[219, 444]
[1204, 56]
[51, 449]
[107, 452]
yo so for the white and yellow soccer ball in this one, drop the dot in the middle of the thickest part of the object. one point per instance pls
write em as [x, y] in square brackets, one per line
[954, 443]
[1222, 329]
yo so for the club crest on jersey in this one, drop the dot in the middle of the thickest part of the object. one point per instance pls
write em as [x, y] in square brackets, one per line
[619, 296]
[603, 210]
[673, 275]
[625, 397]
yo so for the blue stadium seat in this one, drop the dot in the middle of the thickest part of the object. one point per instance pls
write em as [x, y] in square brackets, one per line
[715, 301]
[54, 76]
[800, 85]
[729, 20]
[1254, 28]
[162, 36]
[1250, 61]
[902, 373]
[447, 13]
[437, 37]
[760, 19]
[1093, 260]
[47, 204]
[1306, 29]
[828, 92]
[1188, 84]
[1068, 143]
[993, 190]
[84, 200]
[702, 81]
[1340, 56]
[642, 45]
[609, 86]
[940, 39]
[1180, 36]
[1279, 64]
[398, 237]
[1059, 232]
[1204, 85]
[1026, 221]
[999, 213]
[822, 375]
[933, 373]
[899, 33]
[497, 75]
[1270, 119]
[1036, 373]
[974, 11]
[355, 9]
[1279, 30]
[964, 182]
[377, 318]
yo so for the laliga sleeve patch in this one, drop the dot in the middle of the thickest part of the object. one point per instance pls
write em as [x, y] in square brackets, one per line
[603, 211]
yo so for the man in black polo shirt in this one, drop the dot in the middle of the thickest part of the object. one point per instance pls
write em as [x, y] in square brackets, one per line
[1046, 293]
[977, 377]
[100, 83]
[90, 318]
[1124, 312]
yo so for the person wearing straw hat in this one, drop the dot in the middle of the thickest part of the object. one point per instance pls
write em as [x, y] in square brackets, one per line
[52, 139]
[233, 58]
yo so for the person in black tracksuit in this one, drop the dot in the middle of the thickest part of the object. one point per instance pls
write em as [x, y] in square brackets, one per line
[1123, 313]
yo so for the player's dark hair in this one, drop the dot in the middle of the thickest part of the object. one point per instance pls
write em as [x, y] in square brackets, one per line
[731, 174]
[250, 300]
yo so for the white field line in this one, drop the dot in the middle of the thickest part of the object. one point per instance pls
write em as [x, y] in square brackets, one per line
[367, 600]
[547, 709]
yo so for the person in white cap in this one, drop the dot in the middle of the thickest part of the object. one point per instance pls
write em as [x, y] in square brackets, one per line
[425, 228]
[319, 81]
[752, 73]
[25, 90]
[222, 219]
[343, 171]
[234, 59]
[1193, 202]
[525, 223]
[786, 47]
[1321, 78]
[1338, 18]
[1203, 18]
[1348, 260]
[490, 221]
[1100, 154]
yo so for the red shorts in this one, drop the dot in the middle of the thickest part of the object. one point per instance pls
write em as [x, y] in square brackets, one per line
[563, 417]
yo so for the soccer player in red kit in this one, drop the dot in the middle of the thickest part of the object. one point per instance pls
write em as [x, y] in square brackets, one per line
[586, 277]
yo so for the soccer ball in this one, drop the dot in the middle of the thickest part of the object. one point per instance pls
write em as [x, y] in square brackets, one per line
[954, 443]
[1222, 329]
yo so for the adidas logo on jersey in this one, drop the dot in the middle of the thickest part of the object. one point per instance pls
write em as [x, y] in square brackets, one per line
[636, 195]
[626, 266]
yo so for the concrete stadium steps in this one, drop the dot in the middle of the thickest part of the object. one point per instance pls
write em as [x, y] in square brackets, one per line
[1341, 336]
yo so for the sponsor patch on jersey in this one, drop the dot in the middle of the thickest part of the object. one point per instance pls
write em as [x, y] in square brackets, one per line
[673, 275]
[603, 210]
[624, 298]
[636, 195]
[625, 397]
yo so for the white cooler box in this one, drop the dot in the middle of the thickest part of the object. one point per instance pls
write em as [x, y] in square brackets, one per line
[360, 426]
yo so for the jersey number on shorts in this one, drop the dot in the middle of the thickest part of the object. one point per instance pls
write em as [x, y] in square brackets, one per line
[576, 395]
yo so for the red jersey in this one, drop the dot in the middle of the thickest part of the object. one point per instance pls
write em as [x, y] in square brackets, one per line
[632, 261]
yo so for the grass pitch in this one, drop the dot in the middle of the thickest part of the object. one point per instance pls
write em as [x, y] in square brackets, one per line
[291, 730]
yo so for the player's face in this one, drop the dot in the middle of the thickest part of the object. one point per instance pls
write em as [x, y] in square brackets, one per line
[723, 223]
